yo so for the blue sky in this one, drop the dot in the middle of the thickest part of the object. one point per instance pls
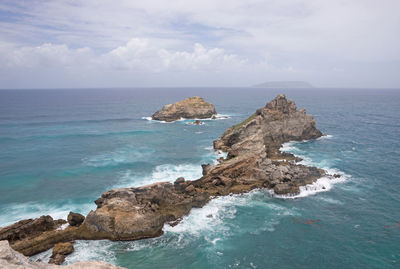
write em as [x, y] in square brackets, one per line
[99, 43]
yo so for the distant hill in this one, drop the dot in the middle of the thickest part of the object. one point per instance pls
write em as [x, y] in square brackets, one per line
[285, 84]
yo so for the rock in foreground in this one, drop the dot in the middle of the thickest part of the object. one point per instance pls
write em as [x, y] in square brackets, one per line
[189, 108]
[10, 259]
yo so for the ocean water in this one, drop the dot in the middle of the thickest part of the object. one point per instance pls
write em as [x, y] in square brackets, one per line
[60, 149]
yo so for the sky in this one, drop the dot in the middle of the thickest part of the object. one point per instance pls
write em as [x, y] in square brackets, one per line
[178, 43]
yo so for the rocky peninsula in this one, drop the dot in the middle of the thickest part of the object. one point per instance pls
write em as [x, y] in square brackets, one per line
[189, 108]
[253, 161]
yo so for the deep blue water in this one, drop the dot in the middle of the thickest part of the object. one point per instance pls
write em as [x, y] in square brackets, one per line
[60, 149]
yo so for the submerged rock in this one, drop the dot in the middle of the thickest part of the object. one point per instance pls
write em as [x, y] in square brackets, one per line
[11, 259]
[196, 122]
[189, 108]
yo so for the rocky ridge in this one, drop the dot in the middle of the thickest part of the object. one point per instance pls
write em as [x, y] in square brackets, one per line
[254, 161]
[189, 108]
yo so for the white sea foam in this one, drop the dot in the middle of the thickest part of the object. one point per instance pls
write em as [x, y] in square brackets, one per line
[15, 212]
[217, 117]
[325, 137]
[63, 227]
[211, 220]
[127, 154]
[92, 250]
[323, 184]
[164, 172]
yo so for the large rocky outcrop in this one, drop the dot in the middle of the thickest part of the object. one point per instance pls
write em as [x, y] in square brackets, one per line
[254, 161]
[267, 129]
[10, 259]
[189, 108]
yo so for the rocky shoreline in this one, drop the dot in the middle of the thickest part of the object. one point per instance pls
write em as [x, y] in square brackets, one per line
[253, 161]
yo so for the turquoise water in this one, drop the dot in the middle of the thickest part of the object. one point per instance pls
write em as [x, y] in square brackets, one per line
[60, 149]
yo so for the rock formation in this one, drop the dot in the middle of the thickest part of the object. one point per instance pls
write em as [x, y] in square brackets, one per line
[60, 250]
[254, 161]
[189, 108]
[10, 259]
[75, 219]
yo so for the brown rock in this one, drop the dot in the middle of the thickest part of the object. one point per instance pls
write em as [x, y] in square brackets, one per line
[28, 228]
[75, 219]
[60, 250]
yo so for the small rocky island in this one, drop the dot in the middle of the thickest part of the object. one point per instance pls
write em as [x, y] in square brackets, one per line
[254, 160]
[189, 108]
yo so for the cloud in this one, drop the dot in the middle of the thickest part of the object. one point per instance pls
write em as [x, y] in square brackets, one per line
[260, 39]
[137, 54]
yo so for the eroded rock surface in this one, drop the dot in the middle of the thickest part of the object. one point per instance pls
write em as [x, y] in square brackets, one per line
[189, 108]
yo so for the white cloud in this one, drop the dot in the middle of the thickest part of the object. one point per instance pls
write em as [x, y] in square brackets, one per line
[260, 39]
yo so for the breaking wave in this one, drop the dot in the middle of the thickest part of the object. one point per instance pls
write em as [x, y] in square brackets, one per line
[323, 184]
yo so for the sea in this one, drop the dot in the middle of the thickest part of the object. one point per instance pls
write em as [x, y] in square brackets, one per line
[60, 149]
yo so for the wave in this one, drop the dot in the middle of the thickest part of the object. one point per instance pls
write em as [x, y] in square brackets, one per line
[40, 123]
[161, 173]
[11, 213]
[212, 221]
[73, 135]
[126, 155]
[323, 184]
[217, 117]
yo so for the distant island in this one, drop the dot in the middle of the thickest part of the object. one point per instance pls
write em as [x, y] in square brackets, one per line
[284, 84]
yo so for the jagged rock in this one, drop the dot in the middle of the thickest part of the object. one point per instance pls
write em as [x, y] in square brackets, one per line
[189, 108]
[10, 259]
[267, 129]
[75, 219]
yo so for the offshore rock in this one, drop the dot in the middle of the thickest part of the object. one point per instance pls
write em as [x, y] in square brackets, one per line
[189, 108]
[267, 129]
[10, 259]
